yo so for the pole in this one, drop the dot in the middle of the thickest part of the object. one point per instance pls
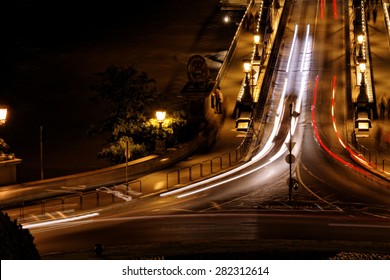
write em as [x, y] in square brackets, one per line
[127, 164]
[290, 161]
[41, 149]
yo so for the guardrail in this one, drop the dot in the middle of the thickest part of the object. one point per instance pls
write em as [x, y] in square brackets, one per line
[185, 175]
[375, 160]
[61, 207]
[232, 48]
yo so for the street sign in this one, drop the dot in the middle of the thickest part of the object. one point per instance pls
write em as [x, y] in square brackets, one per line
[290, 158]
[292, 145]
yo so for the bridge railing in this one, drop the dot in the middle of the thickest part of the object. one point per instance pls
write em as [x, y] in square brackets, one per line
[206, 168]
[375, 160]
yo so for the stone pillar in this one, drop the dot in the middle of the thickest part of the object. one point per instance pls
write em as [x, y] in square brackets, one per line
[197, 90]
[8, 171]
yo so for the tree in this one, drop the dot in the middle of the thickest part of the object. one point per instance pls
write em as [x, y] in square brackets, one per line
[16, 243]
[116, 151]
[130, 99]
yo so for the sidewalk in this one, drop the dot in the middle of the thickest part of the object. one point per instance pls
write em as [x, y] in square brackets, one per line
[375, 149]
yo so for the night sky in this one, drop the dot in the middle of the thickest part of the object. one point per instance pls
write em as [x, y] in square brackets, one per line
[51, 50]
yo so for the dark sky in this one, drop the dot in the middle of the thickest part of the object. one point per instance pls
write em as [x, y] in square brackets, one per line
[51, 50]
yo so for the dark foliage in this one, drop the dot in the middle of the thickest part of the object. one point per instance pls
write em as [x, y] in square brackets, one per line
[16, 243]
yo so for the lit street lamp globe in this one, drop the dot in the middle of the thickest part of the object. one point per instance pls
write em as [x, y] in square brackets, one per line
[3, 115]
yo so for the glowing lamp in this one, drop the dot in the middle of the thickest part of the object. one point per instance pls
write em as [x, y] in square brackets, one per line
[3, 115]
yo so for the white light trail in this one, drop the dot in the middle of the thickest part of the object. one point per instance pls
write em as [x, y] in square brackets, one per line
[304, 71]
[270, 142]
[292, 48]
[305, 48]
[53, 222]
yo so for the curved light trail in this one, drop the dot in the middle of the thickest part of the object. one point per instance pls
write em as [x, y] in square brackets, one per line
[316, 132]
[304, 67]
[59, 221]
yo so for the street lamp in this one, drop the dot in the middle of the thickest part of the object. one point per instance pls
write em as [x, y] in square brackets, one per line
[256, 39]
[160, 142]
[247, 66]
[226, 19]
[247, 96]
[362, 98]
[247, 70]
[3, 115]
[160, 116]
[360, 38]
[362, 68]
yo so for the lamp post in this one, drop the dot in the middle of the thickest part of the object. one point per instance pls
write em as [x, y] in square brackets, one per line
[247, 98]
[362, 98]
[360, 38]
[247, 69]
[160, 116]
[362, 68]
[3, 115]
[256, 39]
[160, 142]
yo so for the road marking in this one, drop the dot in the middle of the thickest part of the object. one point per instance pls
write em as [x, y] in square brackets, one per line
[310, 191]
[358, 225]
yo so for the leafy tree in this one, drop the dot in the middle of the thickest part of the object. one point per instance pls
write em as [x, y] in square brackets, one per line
[16, 243]
[130, 99]
[173, 128]
[116, 151]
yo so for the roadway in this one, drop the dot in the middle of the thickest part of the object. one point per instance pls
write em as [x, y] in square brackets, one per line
[336, 200]
[168, 235]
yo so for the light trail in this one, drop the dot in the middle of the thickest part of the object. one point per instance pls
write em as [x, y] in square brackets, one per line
[322, 5]
[56, 222]
[352, 153]
[358, 225]
[292, 48]
[267, 147]
[335, 13]
[305, 47]
[305, 76]
[317, 135]
[270, 142]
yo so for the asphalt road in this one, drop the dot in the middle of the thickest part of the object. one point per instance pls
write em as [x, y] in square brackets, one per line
[169, 235]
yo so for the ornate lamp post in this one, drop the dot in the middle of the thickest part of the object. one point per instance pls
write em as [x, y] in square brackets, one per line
[362, 68]
[247, 68]
[8, 167]
[362, 98]
[160, 116]
[160, 142]
[247, 98]
[3, 115]
[360, 38]
[256, 39]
